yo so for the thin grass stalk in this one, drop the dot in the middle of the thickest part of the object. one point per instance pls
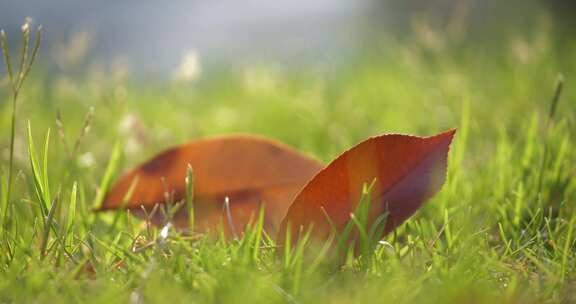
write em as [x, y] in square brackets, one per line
[26, 63]
[549, 120]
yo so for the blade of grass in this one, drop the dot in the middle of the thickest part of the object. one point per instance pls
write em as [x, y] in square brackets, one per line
[549, 120]
[46, 185]
[37, 174]
[48, 225]
[71, 218]
[190, 197]
[258, 228]
[108, 174]
[567, 248]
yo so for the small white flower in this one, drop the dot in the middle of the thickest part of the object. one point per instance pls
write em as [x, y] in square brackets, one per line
[189, 69]
[132, 146]
[86, 160]
[127, 123]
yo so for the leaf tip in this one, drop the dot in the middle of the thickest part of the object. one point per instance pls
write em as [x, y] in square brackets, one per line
[449, 133]
[446, 136]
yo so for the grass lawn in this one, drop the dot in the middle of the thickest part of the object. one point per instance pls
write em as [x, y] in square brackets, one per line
[500, 230]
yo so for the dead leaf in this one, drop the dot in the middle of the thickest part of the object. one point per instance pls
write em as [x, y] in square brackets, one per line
[406, 171]
[249, 170]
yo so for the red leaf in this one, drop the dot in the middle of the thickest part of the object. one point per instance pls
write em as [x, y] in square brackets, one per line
[249, 170]
[407, 171]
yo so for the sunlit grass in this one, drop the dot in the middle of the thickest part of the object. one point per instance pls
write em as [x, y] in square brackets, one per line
[501, 230]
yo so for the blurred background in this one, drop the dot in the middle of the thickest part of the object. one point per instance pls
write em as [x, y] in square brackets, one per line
[153, 38]
[317, 74]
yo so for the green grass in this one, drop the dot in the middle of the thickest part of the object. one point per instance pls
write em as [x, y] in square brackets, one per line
[501, 230]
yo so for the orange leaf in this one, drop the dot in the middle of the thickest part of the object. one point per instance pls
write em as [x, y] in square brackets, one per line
[248, 170]
[406, 171]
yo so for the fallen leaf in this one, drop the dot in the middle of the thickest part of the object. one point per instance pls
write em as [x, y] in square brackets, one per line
[406, 171]
[248, 170]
